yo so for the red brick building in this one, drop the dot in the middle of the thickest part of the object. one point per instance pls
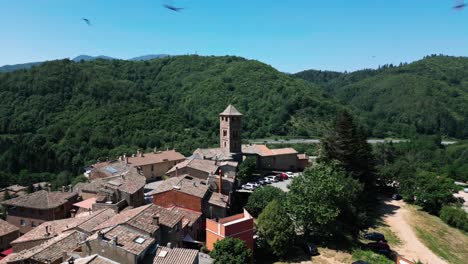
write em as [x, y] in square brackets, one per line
[28, 211]
[238, 226]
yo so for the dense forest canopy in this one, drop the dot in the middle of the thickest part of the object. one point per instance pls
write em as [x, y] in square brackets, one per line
[429, 96]
[64, 115]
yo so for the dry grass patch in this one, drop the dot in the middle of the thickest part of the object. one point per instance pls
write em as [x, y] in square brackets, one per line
[447, 242]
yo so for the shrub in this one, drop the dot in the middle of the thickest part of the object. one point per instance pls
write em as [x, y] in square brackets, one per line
[455, 217]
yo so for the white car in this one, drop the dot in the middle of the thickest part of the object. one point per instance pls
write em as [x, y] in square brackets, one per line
[272, 178]
[249, 186]
[268, 180]
[290, 174]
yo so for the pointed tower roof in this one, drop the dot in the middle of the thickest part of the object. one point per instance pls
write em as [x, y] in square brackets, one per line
[231, 111]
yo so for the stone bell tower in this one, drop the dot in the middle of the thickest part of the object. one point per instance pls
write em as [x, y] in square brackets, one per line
[230, 130]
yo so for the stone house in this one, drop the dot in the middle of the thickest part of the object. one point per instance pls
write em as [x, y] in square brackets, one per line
[119, 243]
[191, 193]
[51, 229]
[155, 164]
[28, 211]
[8, 233]
[49, 252]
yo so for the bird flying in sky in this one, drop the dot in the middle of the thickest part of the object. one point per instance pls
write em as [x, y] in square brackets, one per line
[86, 21]
[173, 8]
[460, 5]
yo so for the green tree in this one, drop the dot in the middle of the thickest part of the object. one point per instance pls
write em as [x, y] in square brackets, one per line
[323, 200]
[347, 143]
[432, 191]
[259, 199]
[79, 178]
[274, 226]
[246, 169]
[6, 195]
[30, 188]
[455, 216]
[231, 251]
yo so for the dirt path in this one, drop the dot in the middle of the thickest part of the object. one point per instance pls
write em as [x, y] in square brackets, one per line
[411, 247]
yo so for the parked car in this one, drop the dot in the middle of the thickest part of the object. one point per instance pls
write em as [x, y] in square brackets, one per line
[261, 182]
[396, 196]
[272, 177]
[249, 186]
[258, 181]
[268, 180]
[283, 176]
[256, 184]
[310, 249]
[374, 236]
[290, 174]
[378, 246]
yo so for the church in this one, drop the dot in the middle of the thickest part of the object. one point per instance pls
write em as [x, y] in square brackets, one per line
[232, 149]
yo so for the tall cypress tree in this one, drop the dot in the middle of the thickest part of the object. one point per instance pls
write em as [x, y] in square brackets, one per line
[347, 143]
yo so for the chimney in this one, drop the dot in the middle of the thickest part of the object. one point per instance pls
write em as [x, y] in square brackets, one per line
[72, 213]
[155, 150]
[169, 245]
[220, 185]
[100, 235]
[49, 187]
[156, 219]
[114, 241]
[177, 171]
[63, 188]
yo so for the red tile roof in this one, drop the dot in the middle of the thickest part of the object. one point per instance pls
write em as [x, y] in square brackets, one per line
[155, 158]
[7, 228]
[166, 255]
[41, 200]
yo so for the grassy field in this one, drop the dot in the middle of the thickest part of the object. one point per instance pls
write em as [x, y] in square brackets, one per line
[445, 241]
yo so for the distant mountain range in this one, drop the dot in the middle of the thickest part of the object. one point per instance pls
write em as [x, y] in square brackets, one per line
[10, 68]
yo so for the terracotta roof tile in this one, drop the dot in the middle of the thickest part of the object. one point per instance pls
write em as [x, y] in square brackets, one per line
[126, 239]
[263, 150]
[85, 223]
[7, 228]
[219, 199]
[284, 151]
[208, 166]
[185, 184]
[155, 158]
[41, 200]
[175, 255]
[16, 188]
[121, 218]
[93, 259]
[230, 111]
[190, 216]
[52, 250]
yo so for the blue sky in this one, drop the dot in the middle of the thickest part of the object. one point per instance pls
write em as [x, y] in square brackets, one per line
[289, 35]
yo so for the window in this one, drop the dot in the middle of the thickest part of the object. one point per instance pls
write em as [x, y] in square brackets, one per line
[225, 144]
[152, 167]
[224, 133]
[22, 222]
[140, 240]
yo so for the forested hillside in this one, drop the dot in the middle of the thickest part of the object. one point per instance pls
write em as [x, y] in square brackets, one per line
[429, 96]
[64, 115]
